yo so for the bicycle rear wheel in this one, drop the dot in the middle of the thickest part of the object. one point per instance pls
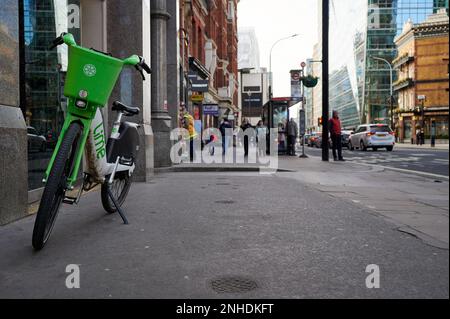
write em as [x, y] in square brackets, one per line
[55, 188]
[119, 188]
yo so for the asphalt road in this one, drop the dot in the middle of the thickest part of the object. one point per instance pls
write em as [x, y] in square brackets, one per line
[425, 160]
[205, 235]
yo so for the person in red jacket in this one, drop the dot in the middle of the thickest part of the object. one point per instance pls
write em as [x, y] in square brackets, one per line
[334, 125]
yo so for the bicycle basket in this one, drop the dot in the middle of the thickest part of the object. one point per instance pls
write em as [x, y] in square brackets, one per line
[91, 76]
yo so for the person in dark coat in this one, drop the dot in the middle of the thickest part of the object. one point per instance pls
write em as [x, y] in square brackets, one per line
[292, 130]
[334, 125]
[246, 125]
[223, 130]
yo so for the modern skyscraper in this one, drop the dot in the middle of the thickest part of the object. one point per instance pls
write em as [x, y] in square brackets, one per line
[248, 50]
[371, 33]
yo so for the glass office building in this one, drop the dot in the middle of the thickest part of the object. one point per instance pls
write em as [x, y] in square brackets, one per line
[43, 102]
[359, 31]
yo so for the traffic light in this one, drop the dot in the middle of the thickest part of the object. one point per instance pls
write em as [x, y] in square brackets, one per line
[320, 121]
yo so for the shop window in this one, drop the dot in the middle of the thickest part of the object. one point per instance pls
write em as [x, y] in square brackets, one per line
[43, 76]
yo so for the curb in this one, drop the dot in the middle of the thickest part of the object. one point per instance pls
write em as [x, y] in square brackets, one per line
[406, 171]
[212, 169]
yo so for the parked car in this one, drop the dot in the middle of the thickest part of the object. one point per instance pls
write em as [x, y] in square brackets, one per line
[304, 140]
[346, 138]
[36, 141]
[312, 139]
[373, 136]
[318, 141]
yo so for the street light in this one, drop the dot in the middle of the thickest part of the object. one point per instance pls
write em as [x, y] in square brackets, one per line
[391, 98]
[270, 59]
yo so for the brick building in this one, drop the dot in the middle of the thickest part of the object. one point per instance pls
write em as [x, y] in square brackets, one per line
[423, 78]
[209, 41]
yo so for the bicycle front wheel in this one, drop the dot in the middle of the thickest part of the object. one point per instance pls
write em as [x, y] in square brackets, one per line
[55, 188]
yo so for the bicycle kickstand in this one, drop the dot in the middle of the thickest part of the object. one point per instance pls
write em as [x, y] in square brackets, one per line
[111, 196]
[119, 210]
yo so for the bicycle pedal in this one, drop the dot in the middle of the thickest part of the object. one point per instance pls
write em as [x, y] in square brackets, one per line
[70, 200]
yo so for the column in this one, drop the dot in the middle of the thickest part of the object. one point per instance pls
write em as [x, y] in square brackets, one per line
[13, 131]
[161, 120]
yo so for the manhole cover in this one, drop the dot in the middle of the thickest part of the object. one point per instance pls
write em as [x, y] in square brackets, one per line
[225, 202]
[233, 285]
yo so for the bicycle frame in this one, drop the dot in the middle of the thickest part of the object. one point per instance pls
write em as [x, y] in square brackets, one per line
[93, 144]
[90, 79]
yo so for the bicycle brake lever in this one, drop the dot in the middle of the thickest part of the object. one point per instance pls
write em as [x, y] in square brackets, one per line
[58, 41]
[139, 68]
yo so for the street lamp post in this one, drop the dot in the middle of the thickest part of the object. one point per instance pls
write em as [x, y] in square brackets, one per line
[391, 97]
[270, 61]
[249, 95]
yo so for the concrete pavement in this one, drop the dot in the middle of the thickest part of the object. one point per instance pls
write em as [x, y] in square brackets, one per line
[428, 162]
[425, 146]
[301, 233]
[416, 204]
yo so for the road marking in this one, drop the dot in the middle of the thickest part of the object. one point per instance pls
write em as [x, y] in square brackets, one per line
[408, 171]
[438, 160]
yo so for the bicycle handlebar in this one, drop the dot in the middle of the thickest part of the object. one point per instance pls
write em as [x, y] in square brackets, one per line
[58, 41]
[137, 61]
[142, 66]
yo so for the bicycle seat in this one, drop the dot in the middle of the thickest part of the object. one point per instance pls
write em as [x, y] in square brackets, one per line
[128, 110]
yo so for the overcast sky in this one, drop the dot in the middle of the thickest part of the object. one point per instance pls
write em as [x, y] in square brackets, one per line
[274, 20]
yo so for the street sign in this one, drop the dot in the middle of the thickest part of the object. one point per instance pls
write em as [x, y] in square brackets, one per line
[199, 85]
[211, 109]
[197, 97]
[302, 122]
[296, 85]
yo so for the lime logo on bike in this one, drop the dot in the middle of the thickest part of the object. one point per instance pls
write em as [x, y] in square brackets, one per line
[90, 70]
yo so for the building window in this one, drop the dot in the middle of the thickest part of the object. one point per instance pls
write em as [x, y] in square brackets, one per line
[42, 82]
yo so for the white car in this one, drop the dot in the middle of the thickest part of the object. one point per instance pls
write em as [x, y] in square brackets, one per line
[374, 136]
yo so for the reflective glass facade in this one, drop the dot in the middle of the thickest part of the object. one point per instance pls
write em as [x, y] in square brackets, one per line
[360, 30]
[9, 59]
[43, 80]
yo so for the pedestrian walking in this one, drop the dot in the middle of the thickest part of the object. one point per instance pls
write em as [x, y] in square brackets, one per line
[224, 127]
[334, 125]
[188, 124]
[246, 125]
[292, 131]
[261, 138]
[418, 137]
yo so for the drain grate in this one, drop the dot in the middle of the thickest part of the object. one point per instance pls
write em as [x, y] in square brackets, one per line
[225, 202]
[223, 184]
[233, 285]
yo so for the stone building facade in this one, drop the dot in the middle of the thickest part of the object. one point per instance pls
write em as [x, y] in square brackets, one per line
[423, 78]
[209, 43]
[32, 77]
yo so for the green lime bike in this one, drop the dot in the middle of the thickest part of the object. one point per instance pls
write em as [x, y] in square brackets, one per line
[91, 76]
